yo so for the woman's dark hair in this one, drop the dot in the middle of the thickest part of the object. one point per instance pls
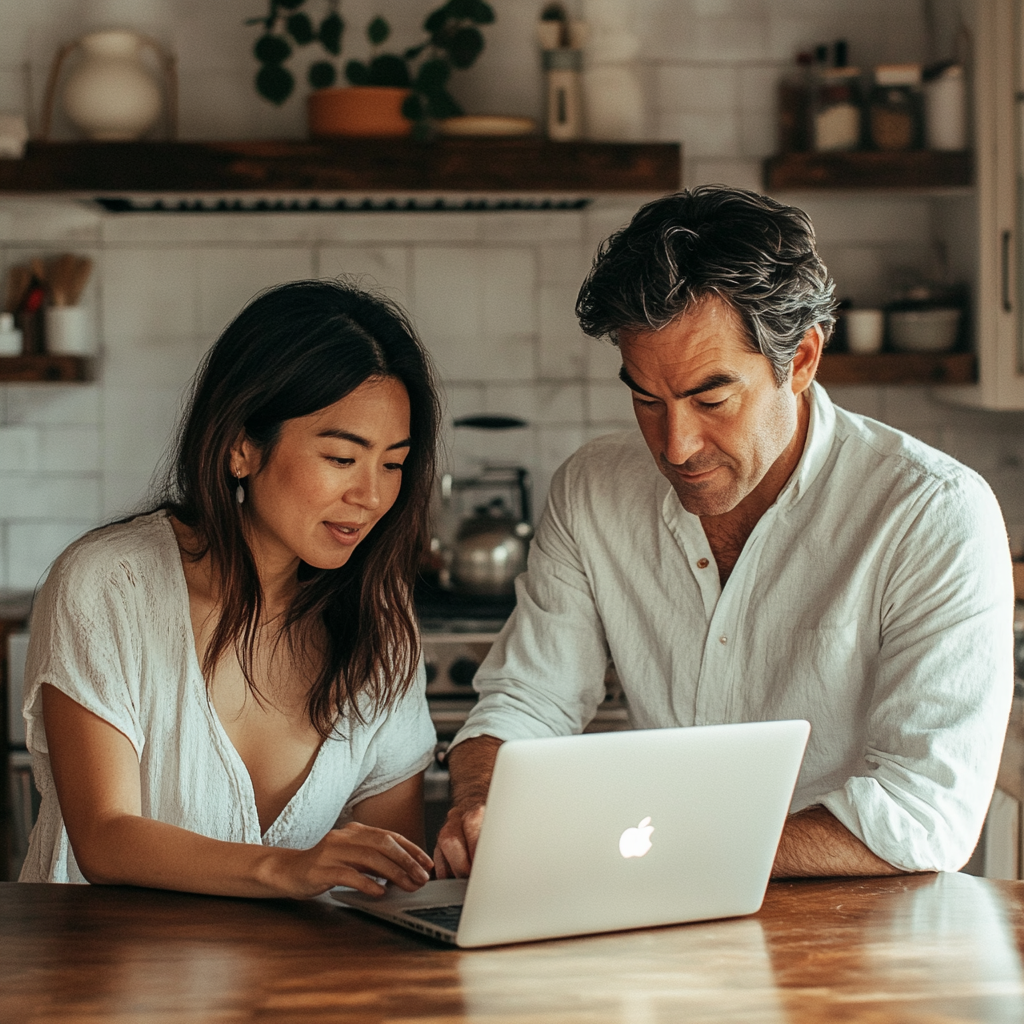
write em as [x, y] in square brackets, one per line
[752, 252]
[292, 351]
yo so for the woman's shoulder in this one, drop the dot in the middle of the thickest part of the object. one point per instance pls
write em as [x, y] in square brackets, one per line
[141, 548]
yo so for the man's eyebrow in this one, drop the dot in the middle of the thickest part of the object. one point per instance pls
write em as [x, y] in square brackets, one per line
[344, 435]
[716, 380]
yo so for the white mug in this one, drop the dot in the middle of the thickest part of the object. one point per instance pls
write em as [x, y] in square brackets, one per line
[69, 332]
[865, 329]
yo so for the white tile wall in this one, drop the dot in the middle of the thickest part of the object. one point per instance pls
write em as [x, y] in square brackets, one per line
[491, 294]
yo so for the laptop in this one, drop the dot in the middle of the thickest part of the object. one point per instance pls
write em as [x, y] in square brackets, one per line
[615, 830]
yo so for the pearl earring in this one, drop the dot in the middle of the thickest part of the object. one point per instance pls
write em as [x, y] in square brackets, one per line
[240, 492]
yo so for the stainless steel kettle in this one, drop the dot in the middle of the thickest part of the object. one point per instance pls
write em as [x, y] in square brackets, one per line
[491, 545]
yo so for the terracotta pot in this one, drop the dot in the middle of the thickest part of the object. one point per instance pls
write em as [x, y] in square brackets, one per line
[363, 110]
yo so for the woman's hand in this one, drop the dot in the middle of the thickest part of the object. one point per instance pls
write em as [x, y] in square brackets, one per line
[349, 856]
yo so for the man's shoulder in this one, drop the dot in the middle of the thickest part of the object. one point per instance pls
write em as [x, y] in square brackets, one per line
[869, 449]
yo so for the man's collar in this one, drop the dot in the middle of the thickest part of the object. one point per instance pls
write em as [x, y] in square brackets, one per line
[821, 429]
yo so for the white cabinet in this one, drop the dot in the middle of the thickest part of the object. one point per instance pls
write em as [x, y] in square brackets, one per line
[989, 235]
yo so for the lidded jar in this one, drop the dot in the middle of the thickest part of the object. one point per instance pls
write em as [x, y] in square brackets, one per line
[111, 95]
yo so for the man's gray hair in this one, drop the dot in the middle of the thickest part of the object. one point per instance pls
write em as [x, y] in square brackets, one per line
[750, 251]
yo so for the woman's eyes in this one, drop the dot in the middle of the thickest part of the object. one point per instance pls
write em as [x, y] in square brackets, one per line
[339, 460]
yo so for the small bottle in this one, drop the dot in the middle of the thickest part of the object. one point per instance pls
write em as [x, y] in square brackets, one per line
[565, 107]
[895, 110]
[10, 336]
[794, 107]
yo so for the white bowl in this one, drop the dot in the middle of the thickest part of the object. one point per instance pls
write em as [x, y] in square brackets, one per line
[924, 330]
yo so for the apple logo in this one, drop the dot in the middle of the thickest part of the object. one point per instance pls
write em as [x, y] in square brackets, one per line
[635, 842]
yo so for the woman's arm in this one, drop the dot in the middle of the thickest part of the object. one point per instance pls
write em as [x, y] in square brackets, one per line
[399, 809]
[96, 773]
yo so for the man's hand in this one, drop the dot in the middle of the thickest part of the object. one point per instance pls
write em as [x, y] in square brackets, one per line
[815, 844]
[470, 765]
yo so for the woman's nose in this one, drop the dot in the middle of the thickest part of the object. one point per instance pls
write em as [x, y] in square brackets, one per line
[365, 490]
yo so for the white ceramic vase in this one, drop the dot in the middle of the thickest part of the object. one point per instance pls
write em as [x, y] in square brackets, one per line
[111, 95]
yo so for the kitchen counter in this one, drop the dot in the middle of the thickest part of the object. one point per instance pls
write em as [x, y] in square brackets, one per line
[919, 948]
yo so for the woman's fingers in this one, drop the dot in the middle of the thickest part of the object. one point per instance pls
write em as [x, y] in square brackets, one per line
[379, 852]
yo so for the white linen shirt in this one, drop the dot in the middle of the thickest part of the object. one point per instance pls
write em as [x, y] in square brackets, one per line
[111, 629]
[874, 599]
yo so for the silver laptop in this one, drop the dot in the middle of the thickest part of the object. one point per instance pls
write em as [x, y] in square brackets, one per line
[615, 830]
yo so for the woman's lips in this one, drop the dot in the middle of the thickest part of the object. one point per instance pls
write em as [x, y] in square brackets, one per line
[345, 533]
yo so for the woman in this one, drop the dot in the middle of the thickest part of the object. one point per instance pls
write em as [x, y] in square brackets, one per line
[210, 685]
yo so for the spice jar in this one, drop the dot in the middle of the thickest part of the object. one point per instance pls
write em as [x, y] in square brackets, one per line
[837, 109]
[895, 109]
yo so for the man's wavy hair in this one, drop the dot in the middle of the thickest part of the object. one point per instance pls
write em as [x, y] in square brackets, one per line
[293, 351]
[748, 250]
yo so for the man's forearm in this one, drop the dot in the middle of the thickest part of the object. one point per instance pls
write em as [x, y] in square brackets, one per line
[471, 765]
[815, 844]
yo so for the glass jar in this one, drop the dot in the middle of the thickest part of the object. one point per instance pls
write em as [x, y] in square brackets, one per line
[837, 109]
[895, 119]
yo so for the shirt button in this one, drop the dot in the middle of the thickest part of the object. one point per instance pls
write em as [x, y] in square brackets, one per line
[723, 639]
[702, 563]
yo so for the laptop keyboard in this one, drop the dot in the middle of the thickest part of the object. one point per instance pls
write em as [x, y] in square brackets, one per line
[442, 917]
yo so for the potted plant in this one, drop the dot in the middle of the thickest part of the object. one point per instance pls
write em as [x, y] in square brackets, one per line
[391, 93]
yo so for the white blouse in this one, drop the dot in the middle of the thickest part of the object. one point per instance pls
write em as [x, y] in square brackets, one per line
[111, 629]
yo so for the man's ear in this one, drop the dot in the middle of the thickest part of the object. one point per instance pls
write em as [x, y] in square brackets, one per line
[244, 458]
[806, 359]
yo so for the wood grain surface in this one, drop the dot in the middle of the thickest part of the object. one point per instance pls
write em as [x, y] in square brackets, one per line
[495, 164]
[926, 949]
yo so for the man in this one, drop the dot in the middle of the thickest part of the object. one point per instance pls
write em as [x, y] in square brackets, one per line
[779, 558]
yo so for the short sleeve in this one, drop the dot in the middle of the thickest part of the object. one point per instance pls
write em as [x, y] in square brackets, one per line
[402, 744]
[84, 641]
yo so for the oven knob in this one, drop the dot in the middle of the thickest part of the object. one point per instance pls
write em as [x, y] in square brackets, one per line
[462, 670]
[431, 669]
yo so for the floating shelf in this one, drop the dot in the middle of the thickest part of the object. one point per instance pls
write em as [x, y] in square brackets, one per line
[44, 369]
[917, 170]
[527, 164]
[899, 368]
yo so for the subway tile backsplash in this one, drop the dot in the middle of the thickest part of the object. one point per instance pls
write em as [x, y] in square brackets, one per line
[492, 300]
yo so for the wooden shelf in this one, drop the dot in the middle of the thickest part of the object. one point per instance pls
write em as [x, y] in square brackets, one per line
[918, 170]
[344, 165]
[44, 369]
[899, 368]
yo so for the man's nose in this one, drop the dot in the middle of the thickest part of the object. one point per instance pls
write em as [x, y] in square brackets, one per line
[684, 437]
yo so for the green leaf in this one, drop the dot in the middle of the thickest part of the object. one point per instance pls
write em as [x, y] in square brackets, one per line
[331, 29]
[387, 69]
[483, 13]
[357, 72]
[271, 49]
[414, 51]
[433, 75]
[460, 8]
[290, 5]
[322, 75]
[465, 47]
[412, 108]
[441, 104]
[378, 30]
[300, 28]
[275, 83]
[435, 21]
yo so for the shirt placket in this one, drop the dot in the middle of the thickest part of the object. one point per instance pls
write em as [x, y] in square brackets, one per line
[721, 665]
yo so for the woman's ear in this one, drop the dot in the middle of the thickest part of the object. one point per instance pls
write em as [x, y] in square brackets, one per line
[244, 458]
[806, 359]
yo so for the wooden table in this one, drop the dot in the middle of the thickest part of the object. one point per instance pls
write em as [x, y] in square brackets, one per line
[909, 950]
